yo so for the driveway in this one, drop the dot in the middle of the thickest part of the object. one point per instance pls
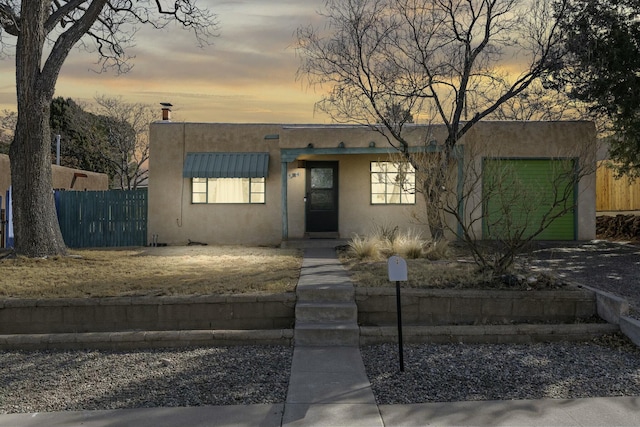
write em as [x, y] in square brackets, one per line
[610, 266]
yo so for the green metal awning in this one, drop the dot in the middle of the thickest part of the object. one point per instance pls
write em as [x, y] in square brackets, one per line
[226, 165]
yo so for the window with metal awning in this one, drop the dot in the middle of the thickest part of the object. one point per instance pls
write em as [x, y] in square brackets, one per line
[226, 165]
[227, 177]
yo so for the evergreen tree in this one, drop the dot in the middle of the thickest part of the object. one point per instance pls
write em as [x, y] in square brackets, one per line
[601, 66]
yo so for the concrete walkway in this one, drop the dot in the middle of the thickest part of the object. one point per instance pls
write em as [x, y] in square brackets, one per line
[329, 387]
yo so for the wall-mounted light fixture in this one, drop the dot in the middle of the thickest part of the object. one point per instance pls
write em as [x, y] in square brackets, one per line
[433, 143]
[341, 145]
[372, 144]
[309, 145]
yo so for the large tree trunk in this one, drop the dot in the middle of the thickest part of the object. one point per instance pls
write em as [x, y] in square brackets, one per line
[35, 221]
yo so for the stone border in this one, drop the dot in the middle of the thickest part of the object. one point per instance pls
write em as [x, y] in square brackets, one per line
[377, 306]
[615, 310]
[146, 339]
[486, 334]
[209, 312]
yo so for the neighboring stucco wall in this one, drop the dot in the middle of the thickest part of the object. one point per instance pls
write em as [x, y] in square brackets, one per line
[176, 220]
[5, 178]
[62, 179]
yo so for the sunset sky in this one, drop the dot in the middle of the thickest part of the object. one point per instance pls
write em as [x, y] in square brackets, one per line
[247, 75]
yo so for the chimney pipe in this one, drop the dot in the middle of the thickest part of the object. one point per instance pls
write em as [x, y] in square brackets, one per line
[166, 111]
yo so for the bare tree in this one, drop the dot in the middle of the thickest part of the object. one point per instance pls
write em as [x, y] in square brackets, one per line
[436, 59]
[45, 32]
[126, 126]
[540, 103]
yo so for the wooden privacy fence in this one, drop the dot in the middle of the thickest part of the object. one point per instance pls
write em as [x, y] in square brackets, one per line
[615, 194]
[103, 218]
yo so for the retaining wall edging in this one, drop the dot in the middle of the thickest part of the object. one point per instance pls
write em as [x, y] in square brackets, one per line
[81, 315]
[146, 339]
[377, 306]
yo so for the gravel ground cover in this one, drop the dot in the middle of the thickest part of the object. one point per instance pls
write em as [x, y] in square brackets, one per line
[46, 381]
[609, 266]
[459, 372]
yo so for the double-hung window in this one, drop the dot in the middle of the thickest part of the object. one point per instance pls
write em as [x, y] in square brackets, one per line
[228, 190]
[393, 183]
[227, 177]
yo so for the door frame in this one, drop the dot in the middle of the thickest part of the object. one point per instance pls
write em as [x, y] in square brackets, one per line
[330, 218]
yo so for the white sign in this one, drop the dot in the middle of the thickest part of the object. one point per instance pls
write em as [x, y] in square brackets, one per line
[397, 269]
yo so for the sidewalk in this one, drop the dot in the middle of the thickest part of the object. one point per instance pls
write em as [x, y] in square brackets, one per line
[329, 387]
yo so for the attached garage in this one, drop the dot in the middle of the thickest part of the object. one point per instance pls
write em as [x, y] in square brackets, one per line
[520, 196]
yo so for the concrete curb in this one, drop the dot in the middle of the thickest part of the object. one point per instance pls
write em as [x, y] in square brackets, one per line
[615, 310]
[146, 339]
[522, 333]
[487, 334]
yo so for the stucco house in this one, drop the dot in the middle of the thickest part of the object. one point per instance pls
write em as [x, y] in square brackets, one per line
[267, 184]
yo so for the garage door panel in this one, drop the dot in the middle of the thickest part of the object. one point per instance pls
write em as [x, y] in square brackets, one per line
[518, 196]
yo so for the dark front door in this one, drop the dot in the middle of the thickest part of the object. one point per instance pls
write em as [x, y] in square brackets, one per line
[322, 197]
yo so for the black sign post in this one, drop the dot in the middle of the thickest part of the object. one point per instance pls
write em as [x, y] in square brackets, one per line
[399, 311]
[398, 272]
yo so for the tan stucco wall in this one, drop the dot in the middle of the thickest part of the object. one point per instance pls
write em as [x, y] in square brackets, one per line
[356, 213]
[62, 179]
[175, 220]
[542, 140]
[5, 178]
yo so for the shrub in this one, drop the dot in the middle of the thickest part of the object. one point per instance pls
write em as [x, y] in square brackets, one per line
[437, 250]
[386, 232]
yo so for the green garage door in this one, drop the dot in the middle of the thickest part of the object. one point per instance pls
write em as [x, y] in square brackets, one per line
[520, 194]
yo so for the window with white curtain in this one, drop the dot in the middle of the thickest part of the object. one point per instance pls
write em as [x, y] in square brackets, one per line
[227, 190]
[393, 183]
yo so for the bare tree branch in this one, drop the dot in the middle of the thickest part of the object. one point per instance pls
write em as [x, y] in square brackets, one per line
[441, 58]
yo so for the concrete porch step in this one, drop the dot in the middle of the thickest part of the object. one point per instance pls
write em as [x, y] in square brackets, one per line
[313, 243]
[326, 311]
[325, 293]
[317, 334]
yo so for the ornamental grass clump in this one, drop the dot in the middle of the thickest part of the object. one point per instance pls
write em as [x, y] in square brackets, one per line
[367, 247]
[386, 241]
[409, 244]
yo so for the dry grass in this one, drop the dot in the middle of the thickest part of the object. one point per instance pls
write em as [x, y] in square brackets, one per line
[423, 274]
[457, 271]
[173, 270]
[205, 270]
